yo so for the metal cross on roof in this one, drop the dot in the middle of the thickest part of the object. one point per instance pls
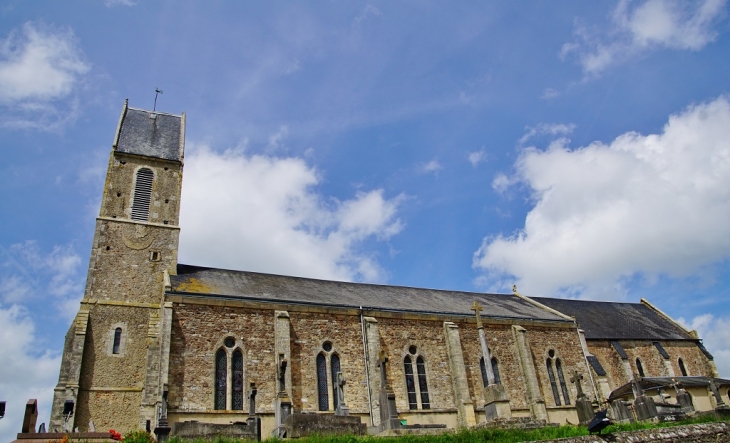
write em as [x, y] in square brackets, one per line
[477, 308]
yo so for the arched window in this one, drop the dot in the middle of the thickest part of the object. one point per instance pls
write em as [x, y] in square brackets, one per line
[417, 391]
[551, 376]
[322, 383]
[483, 367]
[237, 394]
[221, 379]
[422, 384]
[682, 369]
[639, 367]
[495, 371]
[410, 383]
[117, 341]
[563, 386]
[142, 195]
[335, 368]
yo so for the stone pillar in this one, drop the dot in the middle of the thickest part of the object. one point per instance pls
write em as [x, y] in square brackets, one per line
[372, 351]
[152, 391]
[464, 405]
[524, 354]
[282, 346]
[67, 389]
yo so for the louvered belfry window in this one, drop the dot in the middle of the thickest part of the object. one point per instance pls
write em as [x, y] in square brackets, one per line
[237, 380]
[142, 195]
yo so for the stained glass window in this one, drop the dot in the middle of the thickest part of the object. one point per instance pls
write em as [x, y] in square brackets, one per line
[410, 383]
[422, 385]
[117, 340]
[335, 365]
[483, 367]
[322, 383]
[495, 371]
[221, 379]
[563, 386]
[551, 376]
[237, 393]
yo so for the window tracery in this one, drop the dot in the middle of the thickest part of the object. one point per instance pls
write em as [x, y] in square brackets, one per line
[417, 392]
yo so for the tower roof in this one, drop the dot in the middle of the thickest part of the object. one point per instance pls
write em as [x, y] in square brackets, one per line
[151, 134]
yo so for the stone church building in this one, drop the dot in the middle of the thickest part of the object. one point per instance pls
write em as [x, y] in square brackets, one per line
[157, 342]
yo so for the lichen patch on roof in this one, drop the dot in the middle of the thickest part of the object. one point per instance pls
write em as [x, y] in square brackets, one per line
[283, 289]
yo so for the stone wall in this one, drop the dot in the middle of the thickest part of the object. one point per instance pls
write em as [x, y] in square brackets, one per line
[198, 331]
[309, 331]
[652, 361]
[702, 433]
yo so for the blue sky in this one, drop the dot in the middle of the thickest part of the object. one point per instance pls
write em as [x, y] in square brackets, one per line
[576, 149]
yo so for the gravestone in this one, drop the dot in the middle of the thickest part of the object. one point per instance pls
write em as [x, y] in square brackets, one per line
[30, 417]
[644, 406]
[496, 400]
[583, 405]
[341, 408]
[388, 412]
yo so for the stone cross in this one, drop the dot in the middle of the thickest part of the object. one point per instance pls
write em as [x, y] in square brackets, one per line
[341, 388]
[252, 400]
[576, 378]
[483, 342]
[477, 308]
[383, 360]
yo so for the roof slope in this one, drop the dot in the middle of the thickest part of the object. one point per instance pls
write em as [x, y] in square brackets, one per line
[152, 134]
[617, 321]
[277, 288]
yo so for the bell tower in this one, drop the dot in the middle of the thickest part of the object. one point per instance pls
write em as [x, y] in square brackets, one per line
[112, 367]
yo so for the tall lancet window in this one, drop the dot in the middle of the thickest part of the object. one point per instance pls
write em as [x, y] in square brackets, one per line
[335, 365]
[416, 382]
[221, 379]
[142, 195]
[117, 340]
[422, 384]
[410, 383]
[322, 383]
[237, 380]
[563, 386]
[682, 369]
[640, 367]
[495, 371]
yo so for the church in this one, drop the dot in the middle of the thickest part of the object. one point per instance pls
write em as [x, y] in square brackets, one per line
[162, 346]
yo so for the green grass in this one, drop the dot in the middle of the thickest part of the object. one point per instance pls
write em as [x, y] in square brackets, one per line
[478, 435]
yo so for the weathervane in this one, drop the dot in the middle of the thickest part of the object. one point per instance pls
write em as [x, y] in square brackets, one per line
[157, 92]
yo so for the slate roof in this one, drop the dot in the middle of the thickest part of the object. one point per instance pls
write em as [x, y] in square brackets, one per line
[617, 321]
[152, 134]
[210, 282]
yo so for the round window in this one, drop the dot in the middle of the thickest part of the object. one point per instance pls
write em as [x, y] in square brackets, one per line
[229, 342]
[327, 346]
[412, 350]
[551, 353]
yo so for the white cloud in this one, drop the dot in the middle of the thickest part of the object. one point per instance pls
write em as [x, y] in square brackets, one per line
[27, 370]
[551, 129]
[276, 140]
[642, 205]
[715, 333]
[549, 94]
[112, 3]
[645, 26]
[40, 66]
[27, 273]
[432, 166]
[477, 157]
[262, 213]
